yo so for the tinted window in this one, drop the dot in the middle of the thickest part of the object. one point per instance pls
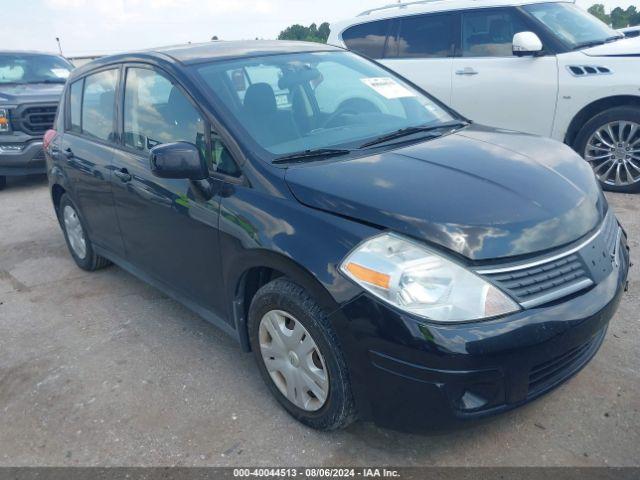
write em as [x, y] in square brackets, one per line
[75, 106]
[156, 112]
[425, 36]
[98, 104]
[489, 33]
[367, 39]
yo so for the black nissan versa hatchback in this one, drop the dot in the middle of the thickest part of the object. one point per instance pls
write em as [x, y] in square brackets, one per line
[383, 257]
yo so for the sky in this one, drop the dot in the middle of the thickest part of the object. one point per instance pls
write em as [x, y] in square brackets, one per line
[110, 26]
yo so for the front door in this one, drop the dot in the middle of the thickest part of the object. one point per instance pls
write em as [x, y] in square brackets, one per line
[170, 231]
[492, 86]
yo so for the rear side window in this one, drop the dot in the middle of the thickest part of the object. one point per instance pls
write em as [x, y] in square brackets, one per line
[75, 106]
[422, 36]
[489, 33]
[156, 112]
[98, 103]
[368, 39]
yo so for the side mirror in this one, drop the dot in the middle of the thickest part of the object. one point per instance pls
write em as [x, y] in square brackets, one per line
[178, 160]
[526, 43]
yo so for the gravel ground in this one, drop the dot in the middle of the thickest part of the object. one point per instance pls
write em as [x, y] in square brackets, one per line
[101, 369]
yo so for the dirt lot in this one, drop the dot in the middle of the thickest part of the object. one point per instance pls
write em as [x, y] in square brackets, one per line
[100, 369]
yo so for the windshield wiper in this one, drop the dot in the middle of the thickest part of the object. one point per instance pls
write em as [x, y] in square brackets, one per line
[403, 132]
[311, 154]
[595, 43]
[48, 80]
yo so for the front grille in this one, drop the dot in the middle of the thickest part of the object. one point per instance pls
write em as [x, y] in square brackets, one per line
[549, 373]
[554, 277]
[37, 119]
[532, 285]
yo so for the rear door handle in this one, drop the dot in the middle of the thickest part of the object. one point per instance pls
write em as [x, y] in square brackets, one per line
[467, 71]
[123, 175]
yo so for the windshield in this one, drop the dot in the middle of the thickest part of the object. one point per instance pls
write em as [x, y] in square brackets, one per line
[573, 25]
[306, 101]
[33, 68]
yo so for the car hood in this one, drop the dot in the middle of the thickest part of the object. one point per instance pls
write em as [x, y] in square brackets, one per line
[626, 47]
[482, 193]
[37, 92]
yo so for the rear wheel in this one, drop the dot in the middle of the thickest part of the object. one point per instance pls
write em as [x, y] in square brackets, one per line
[77, 239]
[299, 356]
[610, 142]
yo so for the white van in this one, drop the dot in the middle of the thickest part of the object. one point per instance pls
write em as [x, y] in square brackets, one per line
[547, 68]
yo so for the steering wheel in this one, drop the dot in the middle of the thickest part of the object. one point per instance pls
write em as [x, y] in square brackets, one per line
[351, 106]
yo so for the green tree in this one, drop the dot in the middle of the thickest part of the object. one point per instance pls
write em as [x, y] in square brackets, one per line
[597, 11]
[619, 18]
[312, 33]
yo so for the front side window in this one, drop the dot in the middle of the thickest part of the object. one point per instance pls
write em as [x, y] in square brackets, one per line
[423, 36]
[156, 111]
[98, 103]
[573, 25]
[368, 39]
[24, 68]
[315, 100]
[489, 33]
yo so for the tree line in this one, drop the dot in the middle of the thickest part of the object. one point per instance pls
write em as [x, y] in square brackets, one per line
[618, 18]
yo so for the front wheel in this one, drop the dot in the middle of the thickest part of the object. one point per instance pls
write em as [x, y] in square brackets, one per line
[610, 142]
[299, 356]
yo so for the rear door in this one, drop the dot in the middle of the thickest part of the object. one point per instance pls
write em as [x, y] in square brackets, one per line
[87, 150]
[170, 229]
[421, 48]
[492, 86]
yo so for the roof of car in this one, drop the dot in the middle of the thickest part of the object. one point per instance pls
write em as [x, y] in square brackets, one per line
[427, 6]
[205, 52]
[27, 52]
[193, 53]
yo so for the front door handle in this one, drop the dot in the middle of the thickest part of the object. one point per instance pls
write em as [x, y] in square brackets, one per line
[467, 71]
[123, 175]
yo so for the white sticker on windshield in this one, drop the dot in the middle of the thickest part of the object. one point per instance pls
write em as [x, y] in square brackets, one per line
[388, 87]
[60, 72]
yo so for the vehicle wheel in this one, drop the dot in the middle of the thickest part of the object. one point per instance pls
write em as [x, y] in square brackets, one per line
[3, 182]
[77, 239]
[610, 142]
[299, 356]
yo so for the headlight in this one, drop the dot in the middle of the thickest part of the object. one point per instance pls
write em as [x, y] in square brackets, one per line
[4, 120]
[420, 281]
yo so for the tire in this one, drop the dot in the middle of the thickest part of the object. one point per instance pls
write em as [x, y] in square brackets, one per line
[71, 223]
[3, 182]
[620, 153]
[282, 298]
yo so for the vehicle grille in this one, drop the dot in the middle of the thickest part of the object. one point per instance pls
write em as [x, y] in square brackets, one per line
[535, 285]
[37, 119]
[547, 279]
[546, 374]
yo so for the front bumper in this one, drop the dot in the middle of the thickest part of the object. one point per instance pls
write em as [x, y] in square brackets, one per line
[26, 161]
[411, 374]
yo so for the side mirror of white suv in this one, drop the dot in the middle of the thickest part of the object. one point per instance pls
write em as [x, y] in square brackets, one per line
[526, 43]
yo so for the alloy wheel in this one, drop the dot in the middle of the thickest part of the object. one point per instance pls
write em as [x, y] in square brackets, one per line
[614, 153]
[293, 360]
[75, 232]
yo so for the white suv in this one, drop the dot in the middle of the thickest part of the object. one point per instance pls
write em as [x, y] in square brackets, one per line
[547, 68]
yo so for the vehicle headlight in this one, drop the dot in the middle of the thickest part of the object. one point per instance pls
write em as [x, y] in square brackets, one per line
[4, 120]
[420, 281]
